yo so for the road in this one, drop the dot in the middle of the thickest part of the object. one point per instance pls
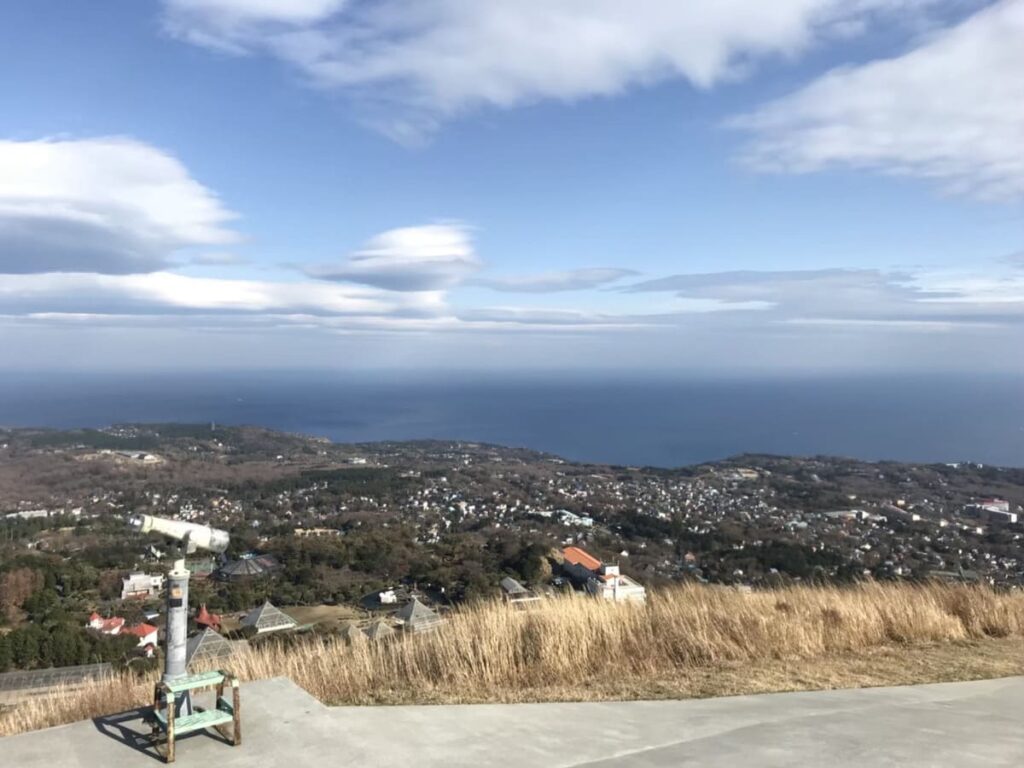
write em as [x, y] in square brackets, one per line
[952, 724]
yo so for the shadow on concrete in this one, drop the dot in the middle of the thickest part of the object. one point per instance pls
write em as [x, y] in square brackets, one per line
[134, 729]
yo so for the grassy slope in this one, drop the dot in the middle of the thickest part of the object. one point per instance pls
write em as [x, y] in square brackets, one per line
[688, 641]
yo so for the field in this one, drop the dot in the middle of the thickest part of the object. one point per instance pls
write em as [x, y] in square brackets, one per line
[324, 616]
[686, 641]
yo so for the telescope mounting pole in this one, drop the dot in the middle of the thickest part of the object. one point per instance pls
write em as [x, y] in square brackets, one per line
[177, 629]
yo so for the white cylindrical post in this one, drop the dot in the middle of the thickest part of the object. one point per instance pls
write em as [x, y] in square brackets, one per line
[177, 630]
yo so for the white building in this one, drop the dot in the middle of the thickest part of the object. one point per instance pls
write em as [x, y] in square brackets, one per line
[602, 579]
[141, 585]
[609, 584]
[30, 514]
[570, 518]
[993, 510]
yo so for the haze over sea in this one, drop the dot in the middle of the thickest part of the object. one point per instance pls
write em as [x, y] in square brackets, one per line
[662, 422]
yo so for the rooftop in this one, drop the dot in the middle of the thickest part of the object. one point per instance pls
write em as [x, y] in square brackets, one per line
[268, 616]
[577, 556]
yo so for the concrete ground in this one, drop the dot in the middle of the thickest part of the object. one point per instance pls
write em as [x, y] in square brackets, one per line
[952, 724]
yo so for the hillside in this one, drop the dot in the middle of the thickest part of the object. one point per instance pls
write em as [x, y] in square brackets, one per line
[685, 642]
[458, 516]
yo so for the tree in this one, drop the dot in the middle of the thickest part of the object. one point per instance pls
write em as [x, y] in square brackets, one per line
[25, 646]
[110, 585]
[64, 646]
[15, 587]
[41, 604]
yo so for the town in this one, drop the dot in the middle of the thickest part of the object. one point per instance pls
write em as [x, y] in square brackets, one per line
[376, 540]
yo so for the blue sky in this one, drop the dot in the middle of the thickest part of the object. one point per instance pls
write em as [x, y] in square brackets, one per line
[800, 186]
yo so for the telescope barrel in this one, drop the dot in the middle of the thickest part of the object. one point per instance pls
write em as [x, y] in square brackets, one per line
[197, 536]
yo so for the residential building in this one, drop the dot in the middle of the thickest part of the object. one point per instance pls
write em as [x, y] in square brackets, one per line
[303, 532]
[147, 635]
[602, 580]
[107, 626]
[115, 625]
[993, 510]
[29, 514]
[141, 586]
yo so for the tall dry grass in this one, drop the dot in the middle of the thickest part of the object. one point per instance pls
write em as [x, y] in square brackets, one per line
[490, 652]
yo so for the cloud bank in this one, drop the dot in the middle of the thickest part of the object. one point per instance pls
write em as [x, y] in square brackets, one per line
[555, 282]
[110, 205]
[438, 58]
[167, 292]
[851, 297]
[950, 110]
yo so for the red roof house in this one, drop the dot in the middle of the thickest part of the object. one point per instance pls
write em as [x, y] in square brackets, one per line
[146, 633]
[577, 556]
[111, 626]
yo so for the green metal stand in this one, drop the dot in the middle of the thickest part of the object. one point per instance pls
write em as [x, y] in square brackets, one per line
[168, 725]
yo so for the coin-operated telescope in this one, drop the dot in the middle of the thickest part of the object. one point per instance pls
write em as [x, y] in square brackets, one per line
[193, 537]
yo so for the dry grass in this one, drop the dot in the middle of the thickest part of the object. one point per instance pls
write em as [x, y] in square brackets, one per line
[687, 641]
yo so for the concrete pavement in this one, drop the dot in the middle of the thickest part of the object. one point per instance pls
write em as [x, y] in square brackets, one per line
[963, 724]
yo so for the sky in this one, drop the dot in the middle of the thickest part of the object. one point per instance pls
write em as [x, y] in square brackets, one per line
[712, 186]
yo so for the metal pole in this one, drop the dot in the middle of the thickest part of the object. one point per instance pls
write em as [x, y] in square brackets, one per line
[177, 631]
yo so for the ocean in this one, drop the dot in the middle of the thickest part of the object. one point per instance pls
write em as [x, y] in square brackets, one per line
[659, 421]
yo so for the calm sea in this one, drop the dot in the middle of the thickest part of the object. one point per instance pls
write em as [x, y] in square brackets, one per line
[663, 422]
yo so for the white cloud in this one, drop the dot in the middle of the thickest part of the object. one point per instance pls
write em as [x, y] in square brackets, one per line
[844, 319]
[217, 259]
[111, 205]
[731, 302]
[952, 110]
[236, 12]
[1015, 259]
[554, 282]
[224, 24]
[163, 292]
[440, 57]
[551, 318]
[408, 259]
[855, 297]
[519, 323]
